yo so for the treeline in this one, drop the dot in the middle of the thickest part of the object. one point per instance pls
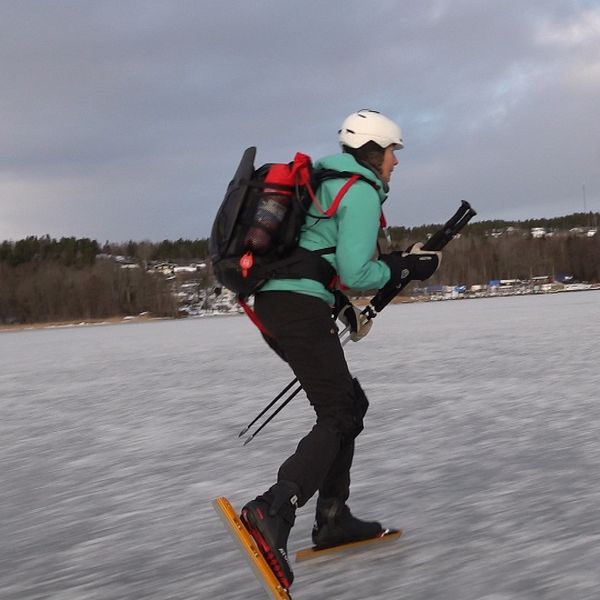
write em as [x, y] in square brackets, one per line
[167, 250]
[472, 259]
[66, 251]
[50, 291]
[79, 252]
[43, 279]
[477, 257]
[70, 251]
[484, 228]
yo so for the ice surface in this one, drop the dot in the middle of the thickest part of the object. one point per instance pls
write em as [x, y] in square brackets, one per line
[481, 442]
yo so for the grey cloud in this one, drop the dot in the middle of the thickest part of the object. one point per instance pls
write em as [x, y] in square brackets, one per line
[125, 120]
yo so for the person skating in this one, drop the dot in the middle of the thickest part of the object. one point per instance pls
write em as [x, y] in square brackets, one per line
[297, 313]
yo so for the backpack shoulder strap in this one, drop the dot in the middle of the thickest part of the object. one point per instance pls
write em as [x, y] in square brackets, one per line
[322, 175]
[340, 195]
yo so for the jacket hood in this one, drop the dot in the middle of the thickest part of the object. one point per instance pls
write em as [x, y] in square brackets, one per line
[347, 162]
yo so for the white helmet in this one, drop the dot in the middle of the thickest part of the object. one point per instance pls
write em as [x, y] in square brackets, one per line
[369, 126]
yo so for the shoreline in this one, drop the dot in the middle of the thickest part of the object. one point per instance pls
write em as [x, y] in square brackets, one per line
[145, 318]
[118, 320]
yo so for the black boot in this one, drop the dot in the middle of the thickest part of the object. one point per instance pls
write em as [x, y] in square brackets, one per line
[269, 519]
[335, 525]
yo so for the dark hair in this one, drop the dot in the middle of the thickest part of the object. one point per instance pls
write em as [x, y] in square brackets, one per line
[370, 154]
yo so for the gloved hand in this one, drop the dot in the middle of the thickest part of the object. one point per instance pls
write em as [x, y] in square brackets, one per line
[417, 248]
[351, 317]
[415, 263]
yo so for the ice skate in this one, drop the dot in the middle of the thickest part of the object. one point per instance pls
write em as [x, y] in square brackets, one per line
[269, 519]
[336, 525]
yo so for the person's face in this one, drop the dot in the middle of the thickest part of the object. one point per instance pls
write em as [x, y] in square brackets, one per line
[389, 162]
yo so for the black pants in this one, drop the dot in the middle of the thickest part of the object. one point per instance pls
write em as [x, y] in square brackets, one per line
[305, 335]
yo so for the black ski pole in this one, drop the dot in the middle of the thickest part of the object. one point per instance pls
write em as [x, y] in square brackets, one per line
[287, 387]
[436, 243]
[286, 401]
[274, 413]
[266, 408]
[283, 391]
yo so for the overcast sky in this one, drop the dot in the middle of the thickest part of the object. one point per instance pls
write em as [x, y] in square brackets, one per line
[126, 119]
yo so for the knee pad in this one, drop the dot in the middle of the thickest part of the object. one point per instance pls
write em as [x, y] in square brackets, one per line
[345, 419]
[360, 407]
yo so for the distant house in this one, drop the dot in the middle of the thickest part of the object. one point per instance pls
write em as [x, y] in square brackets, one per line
[538, 232]
[164, 268]
[510, 230]
[539, 279]
[505, 287]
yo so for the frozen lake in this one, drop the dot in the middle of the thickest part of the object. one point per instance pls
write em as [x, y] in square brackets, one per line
[482, 442]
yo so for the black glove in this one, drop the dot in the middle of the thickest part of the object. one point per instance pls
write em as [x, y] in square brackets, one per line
[416, 263]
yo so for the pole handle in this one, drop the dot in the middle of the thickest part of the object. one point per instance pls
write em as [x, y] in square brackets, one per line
[436, 243]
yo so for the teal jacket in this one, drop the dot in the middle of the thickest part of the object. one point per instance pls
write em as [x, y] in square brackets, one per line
[352, 231]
